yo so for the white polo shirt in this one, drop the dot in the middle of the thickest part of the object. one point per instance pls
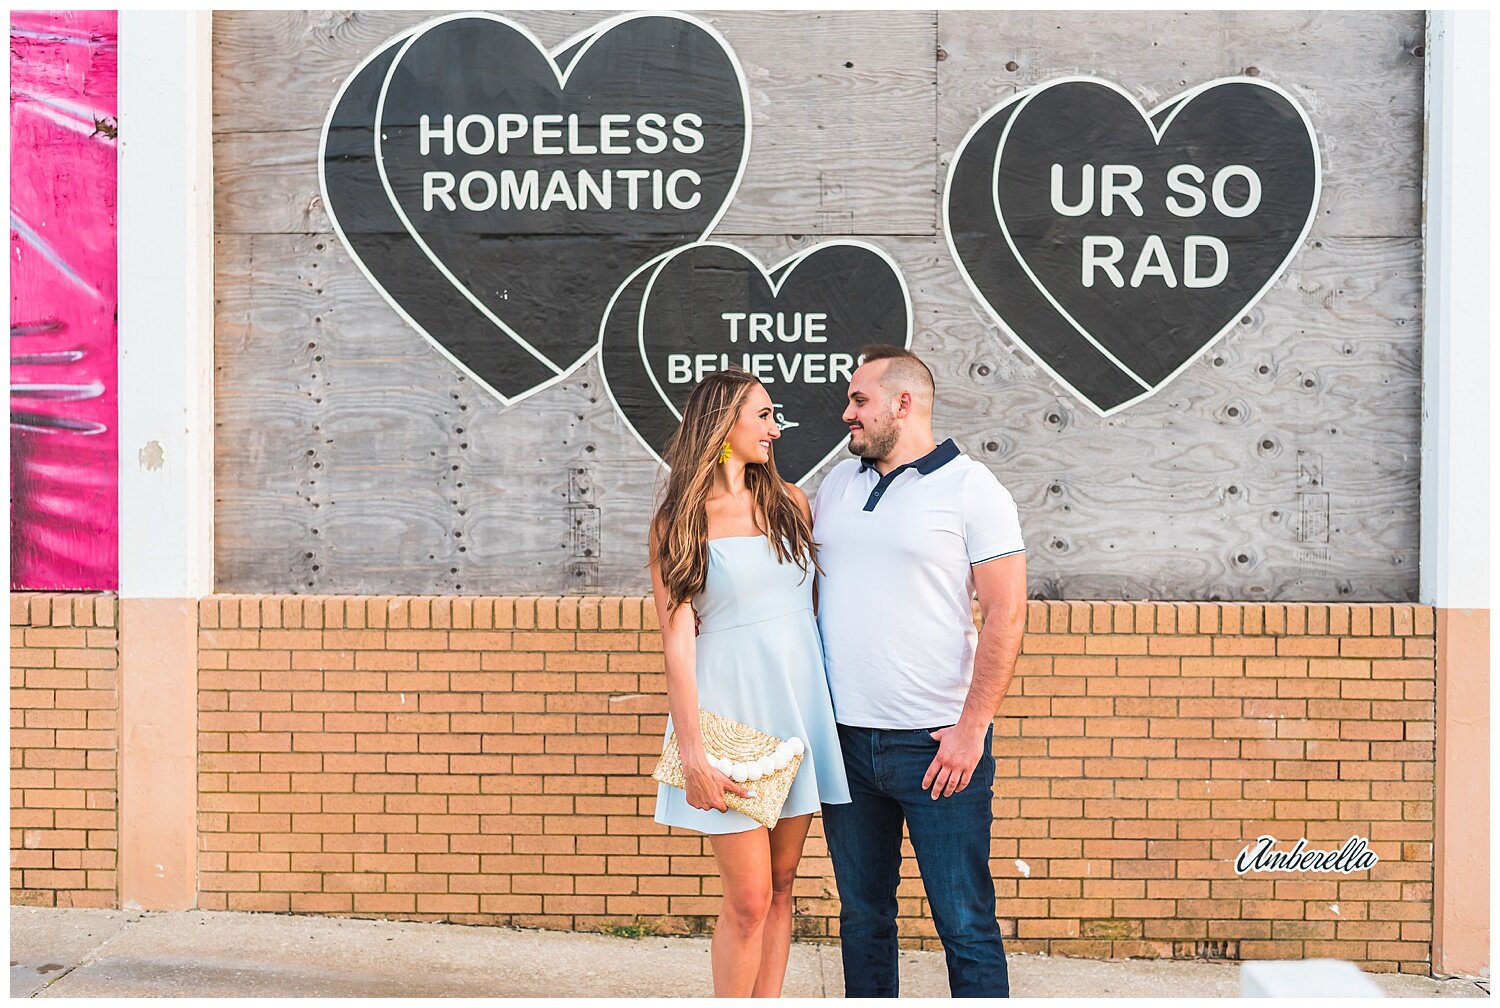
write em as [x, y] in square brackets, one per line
[894, 601]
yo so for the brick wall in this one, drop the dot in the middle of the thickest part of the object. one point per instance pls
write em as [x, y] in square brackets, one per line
[1147, 744]
[485, 760]
[63, 702]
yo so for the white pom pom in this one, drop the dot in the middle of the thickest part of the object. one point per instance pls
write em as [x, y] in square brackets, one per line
[765, 765]
[796, 745]
[780, 758]
[739, 774]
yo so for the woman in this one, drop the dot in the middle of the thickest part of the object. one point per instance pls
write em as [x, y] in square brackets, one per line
[732, 552]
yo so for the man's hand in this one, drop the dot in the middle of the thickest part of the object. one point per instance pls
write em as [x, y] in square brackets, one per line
[1001, 586]
[959, 751]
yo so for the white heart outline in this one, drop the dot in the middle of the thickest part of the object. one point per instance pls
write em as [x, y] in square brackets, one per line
[1180, 101]
[588, 36]
[785, 268]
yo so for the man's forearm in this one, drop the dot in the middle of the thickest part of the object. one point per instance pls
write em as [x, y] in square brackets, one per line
[994, 666]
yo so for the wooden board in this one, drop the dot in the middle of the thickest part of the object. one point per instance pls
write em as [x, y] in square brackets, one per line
[1163, 499]
[1358, 75]
[352, 457]
[812, 164]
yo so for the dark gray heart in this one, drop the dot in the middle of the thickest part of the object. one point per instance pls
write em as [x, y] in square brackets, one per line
[515, 295]
[1113, 345]
[673, 310]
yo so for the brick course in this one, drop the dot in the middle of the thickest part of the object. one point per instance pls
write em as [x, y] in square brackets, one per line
[485, 760]
[63, 704]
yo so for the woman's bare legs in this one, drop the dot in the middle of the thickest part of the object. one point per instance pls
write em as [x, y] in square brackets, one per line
[776, 942]
[745, 869]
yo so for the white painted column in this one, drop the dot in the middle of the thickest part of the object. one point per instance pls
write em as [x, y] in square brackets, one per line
[1455, 568]
[166, 441]
[166, 305]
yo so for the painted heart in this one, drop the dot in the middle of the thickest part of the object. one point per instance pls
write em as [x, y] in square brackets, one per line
[632, 391]
[996, 277]
[798, 327]
[497, 195]
[1116, 245]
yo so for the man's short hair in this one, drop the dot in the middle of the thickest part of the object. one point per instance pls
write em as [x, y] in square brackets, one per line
[906, 369]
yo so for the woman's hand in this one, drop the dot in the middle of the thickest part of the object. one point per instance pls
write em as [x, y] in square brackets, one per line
[706, 786]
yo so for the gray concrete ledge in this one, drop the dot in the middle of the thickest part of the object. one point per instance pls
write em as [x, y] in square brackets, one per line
[111, 953]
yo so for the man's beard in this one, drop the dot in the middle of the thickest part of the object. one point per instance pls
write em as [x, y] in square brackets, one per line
[875, 445]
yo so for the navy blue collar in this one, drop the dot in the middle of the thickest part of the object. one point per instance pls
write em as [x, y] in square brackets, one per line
[931, 462]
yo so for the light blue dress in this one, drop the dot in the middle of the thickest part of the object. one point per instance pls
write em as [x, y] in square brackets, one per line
[760, 662]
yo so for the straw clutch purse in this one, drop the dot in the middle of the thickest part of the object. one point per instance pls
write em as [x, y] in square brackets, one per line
[764, 763]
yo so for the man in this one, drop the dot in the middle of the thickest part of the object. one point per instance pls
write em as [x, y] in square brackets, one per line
[910, 531]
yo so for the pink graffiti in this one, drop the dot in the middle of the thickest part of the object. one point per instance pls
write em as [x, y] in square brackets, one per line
[63, 283]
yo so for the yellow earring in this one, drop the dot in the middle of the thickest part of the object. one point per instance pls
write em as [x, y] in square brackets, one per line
[724, 453]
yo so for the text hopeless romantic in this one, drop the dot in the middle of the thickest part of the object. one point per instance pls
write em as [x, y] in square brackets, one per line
[558, 135]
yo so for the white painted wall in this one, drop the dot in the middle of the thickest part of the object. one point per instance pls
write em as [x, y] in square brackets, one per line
[166, 304]
[1455, 403]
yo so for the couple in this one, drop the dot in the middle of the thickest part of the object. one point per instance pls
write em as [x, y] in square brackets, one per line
[888, 685]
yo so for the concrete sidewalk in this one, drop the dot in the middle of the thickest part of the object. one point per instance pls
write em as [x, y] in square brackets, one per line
[102, 953]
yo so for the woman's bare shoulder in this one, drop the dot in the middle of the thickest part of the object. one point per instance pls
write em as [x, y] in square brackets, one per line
[798, 496]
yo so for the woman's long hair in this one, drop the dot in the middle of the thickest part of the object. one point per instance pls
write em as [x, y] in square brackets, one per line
[681, 521]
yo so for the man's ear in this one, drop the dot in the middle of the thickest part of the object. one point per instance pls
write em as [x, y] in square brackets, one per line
[903, 405]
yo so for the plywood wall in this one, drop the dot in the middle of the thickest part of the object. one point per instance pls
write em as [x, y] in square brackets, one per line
[352, 457]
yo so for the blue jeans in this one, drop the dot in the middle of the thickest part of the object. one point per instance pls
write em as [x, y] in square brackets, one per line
[951, 838]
